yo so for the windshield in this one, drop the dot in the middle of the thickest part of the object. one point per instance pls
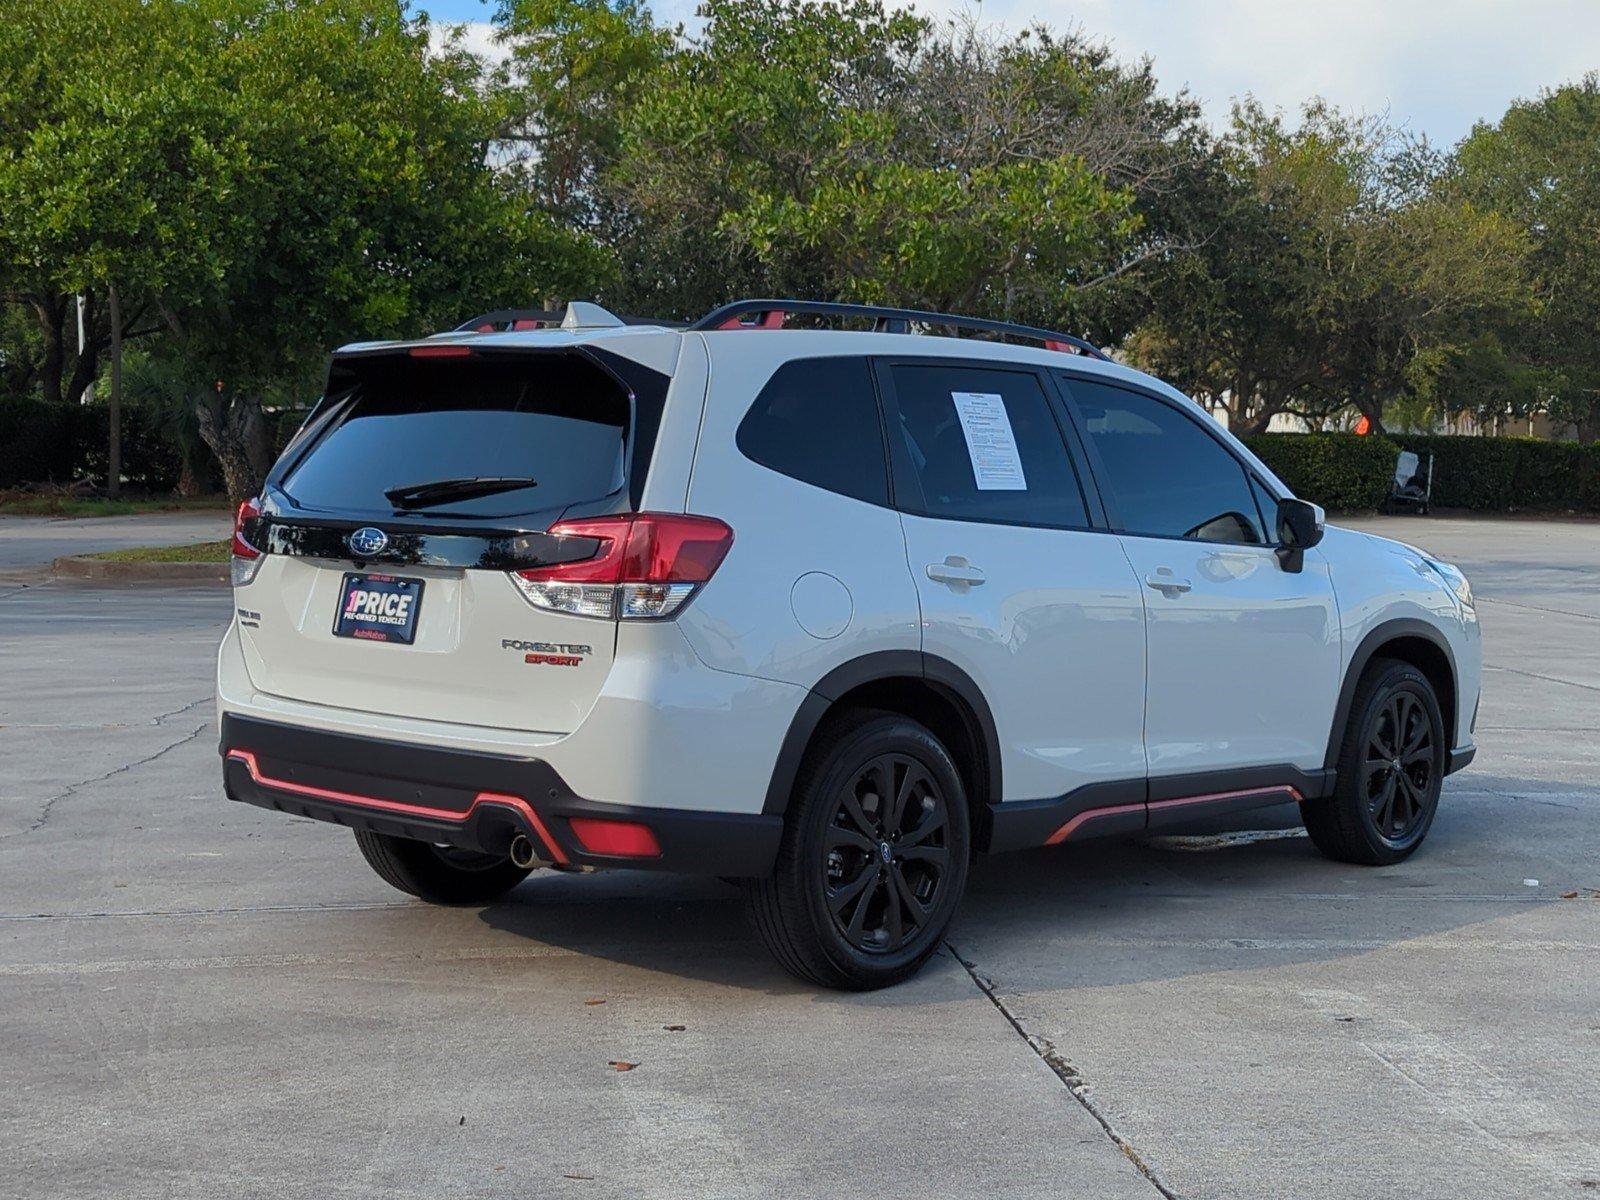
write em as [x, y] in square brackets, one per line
[553, 427]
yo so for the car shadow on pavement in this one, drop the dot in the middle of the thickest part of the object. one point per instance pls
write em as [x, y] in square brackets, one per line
[1128, 910]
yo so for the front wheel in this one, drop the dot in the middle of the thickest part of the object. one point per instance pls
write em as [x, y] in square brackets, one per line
[874, 856]
[439, 874]
[1391, 767]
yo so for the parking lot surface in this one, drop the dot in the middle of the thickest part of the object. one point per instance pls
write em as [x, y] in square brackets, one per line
[28, 544]
[198, 998]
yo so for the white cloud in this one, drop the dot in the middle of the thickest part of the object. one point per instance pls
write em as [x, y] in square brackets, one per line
[476, 36]
[1435, 65]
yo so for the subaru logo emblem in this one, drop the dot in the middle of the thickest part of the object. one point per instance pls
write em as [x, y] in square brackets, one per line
[368, 541]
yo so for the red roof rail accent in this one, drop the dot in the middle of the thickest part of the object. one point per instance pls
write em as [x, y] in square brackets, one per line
[772, 319]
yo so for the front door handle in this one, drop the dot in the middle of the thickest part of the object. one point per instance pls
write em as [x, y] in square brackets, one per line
[1166, 583]
[955, 569]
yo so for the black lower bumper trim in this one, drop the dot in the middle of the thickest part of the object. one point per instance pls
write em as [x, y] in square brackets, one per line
[1140, 805]
[469, 799]
[1460, 758]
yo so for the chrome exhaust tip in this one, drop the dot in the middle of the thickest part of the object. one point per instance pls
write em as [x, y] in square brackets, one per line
[523, 853]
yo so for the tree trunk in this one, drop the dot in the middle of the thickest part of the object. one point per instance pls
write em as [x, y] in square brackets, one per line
[114, 406]
[188, 479]
[1588, 426]
[53, 362]
[234, 430]
[1372, 410]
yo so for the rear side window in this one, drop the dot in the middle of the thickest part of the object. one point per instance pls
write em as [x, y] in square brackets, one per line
[817, 421]
[975, 444]
[1167, 475]
[557, 420]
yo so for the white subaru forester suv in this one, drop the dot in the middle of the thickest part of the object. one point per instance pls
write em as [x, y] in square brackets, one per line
[828, 611]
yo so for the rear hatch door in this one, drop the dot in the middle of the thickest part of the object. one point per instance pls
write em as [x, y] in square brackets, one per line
[392, 521]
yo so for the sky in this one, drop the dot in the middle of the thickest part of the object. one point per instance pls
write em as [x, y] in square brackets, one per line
[1434, 66]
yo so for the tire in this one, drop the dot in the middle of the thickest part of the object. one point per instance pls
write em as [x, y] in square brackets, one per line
[439, 874]
[850, 867]
[1377, 814]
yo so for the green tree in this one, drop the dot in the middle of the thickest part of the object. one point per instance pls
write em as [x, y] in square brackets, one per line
[842, 149]
[1334, 271]
[267, 178]
[573, 68]
[1539, 167]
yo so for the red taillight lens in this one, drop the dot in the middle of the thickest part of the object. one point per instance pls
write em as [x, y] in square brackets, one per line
[646, 548]
[621, 839]
[644, 565]
[242, 548]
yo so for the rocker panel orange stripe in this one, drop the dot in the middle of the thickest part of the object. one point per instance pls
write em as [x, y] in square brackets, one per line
[248, 758]
[1067, 830]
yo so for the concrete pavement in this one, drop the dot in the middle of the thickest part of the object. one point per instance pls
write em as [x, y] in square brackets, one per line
[29, 544]
[201, 999]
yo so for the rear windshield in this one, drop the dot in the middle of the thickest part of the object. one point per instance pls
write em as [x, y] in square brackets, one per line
[401, 422]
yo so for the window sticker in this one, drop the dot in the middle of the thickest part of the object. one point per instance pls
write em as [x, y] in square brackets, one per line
[996, 465]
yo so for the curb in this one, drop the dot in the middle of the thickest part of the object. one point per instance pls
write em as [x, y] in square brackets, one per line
[77, 566]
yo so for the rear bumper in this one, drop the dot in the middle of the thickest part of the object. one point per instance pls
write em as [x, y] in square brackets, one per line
[475, 800]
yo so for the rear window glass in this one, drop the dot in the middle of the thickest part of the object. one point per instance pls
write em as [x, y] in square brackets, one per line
[555, 419]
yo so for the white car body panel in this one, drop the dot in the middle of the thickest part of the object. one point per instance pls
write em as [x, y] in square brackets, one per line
[1244, 666]
[1054, 636]
[663, 731]
[859, 598]
[1379, 581]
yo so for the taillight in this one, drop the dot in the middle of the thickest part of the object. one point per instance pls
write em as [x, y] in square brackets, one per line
[644, 566]
[246, 559]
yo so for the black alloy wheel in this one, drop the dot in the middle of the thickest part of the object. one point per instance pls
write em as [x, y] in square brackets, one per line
[885, 854]
[874, 856]
[1397, 774]
[1390, 769]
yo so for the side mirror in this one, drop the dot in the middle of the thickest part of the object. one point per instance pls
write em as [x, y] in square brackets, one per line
[1300, 527]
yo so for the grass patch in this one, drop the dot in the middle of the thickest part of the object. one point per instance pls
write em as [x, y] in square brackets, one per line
[194, 552]
[28, 504]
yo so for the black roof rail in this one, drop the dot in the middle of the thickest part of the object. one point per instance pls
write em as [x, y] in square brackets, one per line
[769, 314]
[503, 320]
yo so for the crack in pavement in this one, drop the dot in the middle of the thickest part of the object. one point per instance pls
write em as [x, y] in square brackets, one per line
[178, 712]
[1067, 1073]
[72, 789]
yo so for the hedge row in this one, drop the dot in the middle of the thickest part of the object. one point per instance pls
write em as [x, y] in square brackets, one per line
[57, 443]
[1335, 470]
[36, 442]
[1343, 471]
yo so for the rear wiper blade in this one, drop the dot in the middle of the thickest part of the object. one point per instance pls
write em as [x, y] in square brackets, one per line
[416, 495]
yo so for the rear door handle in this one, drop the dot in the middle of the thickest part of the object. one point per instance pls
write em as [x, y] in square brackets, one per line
[1167, 584]
[955, 569]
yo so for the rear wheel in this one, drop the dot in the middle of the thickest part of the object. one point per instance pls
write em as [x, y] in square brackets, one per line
[439, 874]
[1391, 767]
[874, 856]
